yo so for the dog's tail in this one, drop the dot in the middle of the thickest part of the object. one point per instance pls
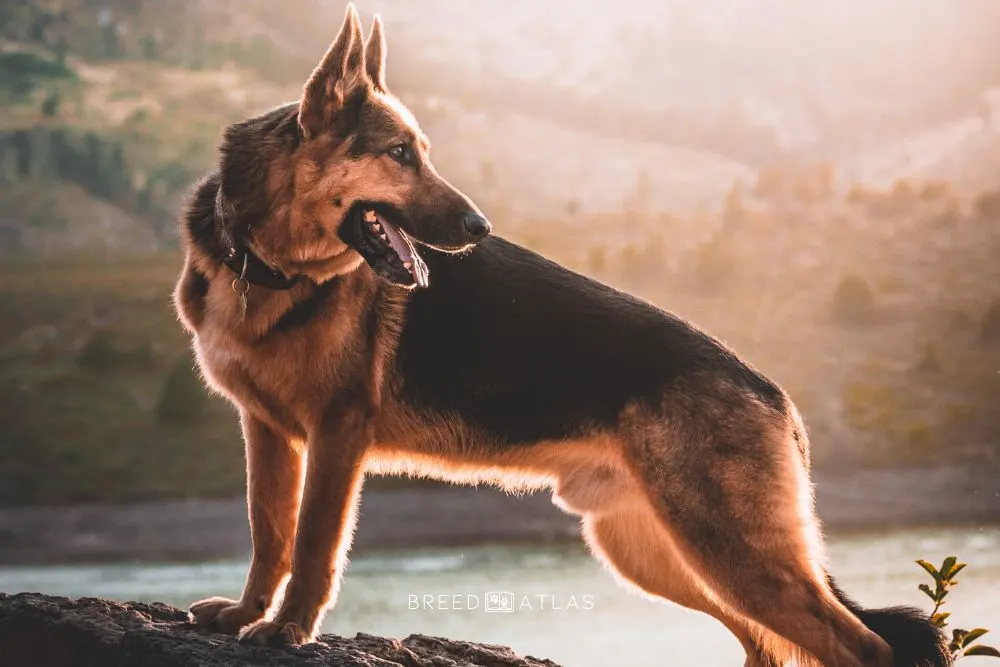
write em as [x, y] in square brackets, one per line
[915, 641]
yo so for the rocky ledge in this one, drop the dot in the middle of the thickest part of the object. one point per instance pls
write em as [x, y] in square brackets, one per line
[43, 631]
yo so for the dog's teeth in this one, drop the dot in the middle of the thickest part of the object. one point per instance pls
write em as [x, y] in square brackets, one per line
[407, 265]
[370, 216]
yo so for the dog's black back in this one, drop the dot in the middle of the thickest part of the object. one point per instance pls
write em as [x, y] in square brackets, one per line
[501, 314]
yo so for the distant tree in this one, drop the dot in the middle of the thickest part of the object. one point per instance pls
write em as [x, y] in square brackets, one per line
[734, 211]
[42, 19]
[100, 352]
[597, 261]
[61, 50]
[9, 173]
[488, 173]
[853, 301]
[769, 183]
[930, 361]
[934, 190]
[144, 199]
[989, 328]
[183, 397]
[118, 176]
[149, 45]
[902, 191]
[825, 175]
[111, 40]
[715, 264]
[988, 205]
[93, 154]
[194, 57]
[50, 105]
[859, 194]
[40, 162]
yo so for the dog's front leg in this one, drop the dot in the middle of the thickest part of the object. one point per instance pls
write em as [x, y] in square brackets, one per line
[334, 476]
[274, 488]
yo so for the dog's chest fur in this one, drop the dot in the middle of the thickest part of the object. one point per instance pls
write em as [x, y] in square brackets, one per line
[294, 352]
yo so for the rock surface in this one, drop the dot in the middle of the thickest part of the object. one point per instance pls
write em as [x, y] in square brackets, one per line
[43, 631]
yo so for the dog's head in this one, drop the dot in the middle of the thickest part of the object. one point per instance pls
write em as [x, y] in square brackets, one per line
[359, 183]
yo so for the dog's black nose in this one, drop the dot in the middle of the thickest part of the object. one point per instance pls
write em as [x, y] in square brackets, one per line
[476, 225]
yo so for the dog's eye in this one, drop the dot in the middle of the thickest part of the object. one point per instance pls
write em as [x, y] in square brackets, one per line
[401, 153]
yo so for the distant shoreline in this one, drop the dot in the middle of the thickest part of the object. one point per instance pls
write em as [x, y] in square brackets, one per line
[212, 529]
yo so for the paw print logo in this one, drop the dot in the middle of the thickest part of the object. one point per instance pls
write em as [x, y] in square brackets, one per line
[502, 602]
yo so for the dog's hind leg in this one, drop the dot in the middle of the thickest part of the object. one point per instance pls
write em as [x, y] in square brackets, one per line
[274, 486]
[633, 544]
[726, 478]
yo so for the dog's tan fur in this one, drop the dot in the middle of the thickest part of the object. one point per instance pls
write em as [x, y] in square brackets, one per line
[700, 496]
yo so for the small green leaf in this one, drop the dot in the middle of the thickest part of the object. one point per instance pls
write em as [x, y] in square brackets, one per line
[955, 570]
[940, 619]
[927, 590]
[973, 635]
[981, 649]
[957, 635]
[946, 567]
[931, 570]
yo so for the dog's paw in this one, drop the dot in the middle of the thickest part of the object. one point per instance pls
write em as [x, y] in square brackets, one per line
[223, 615]
[269, 633]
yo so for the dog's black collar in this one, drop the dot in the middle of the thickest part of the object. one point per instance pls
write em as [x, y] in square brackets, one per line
[241, 261]
[255, 271]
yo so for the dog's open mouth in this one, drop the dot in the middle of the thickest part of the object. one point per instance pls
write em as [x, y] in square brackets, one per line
[386, 247]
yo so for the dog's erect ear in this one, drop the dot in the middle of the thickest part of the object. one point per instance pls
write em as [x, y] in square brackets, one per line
[375, 55]
[339, 73]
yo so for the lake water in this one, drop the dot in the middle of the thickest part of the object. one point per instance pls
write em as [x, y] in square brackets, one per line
[565, 607]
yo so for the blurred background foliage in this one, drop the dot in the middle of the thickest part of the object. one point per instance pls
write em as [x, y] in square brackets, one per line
[834, 215]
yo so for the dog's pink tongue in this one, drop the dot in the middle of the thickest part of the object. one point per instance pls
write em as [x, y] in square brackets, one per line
[411, 260]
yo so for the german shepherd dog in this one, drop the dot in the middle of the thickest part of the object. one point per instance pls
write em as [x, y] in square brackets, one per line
[347, 300]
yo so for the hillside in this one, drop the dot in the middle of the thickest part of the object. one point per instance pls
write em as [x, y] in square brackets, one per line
[839, 232]
[571, 114]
